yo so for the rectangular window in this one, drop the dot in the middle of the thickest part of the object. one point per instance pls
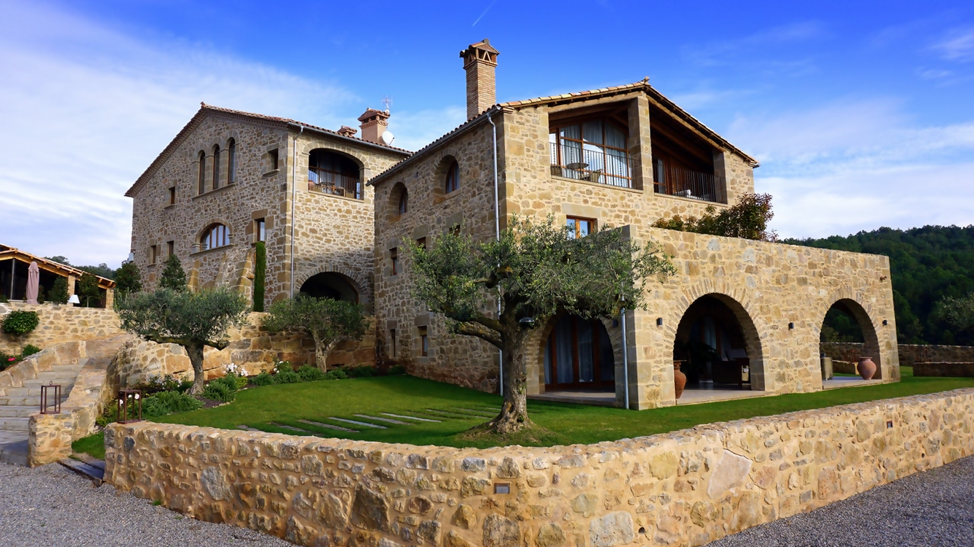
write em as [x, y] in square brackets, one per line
[272, 158]
[170, 248]
[172, 196]
[152, 254]
[579, 227]
[394, 255]
[392, 343]
[421, 243]
[424, 342]
[260, 229]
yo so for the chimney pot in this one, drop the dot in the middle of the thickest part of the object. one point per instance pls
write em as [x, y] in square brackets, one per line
[480, 62]
[374, 124]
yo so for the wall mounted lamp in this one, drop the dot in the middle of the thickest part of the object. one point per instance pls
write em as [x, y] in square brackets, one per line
[885, 322]
[659, 321]
[791, 326]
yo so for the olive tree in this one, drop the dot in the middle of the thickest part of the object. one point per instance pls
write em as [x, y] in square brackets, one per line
[329, 322]
[192, 320]
[533, 272]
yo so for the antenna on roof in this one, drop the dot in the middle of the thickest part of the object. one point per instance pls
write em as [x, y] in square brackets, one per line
[388, 102]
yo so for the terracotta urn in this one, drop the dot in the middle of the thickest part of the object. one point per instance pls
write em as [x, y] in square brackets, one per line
[679, 379]
[867, 369]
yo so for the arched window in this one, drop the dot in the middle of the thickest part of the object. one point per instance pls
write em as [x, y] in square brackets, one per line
[453, 177]
[403, 202]
[214, 237]
[216, 166]
[202, 175]
[333, 173]
[231, 162]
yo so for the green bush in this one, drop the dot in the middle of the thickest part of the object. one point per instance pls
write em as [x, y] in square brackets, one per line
[20, 322]
[361, 372]
[260, 267]
[59, 291]
[396, 370]
[155, 384]
[219, 391]
[7, 361]
[3, 299]
[309, 373]
[286, 376]
[262, 379]
[169, 402]
[336, 374]
[29, 350]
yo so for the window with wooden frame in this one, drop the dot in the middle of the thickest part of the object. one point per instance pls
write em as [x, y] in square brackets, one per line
[579, 227]
[216, 166]
[424, 343]
[172, 195]
[394, 258]
[214, 237]
[403, 202]
[153, 252]
[593, 150]
[452, 177]
[170, 248]
[201, 180]
[421, 243]
[392, 343]
[231, 161]
[260, 230]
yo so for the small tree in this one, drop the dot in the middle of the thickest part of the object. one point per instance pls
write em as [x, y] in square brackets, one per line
[88, 290]
[128, 280]
[260, 268]
[747, 219]
[535, 270]
[20, 323]
[192, 320]
[329, 322]
[59, 291]
[957, 312]
[173, 277]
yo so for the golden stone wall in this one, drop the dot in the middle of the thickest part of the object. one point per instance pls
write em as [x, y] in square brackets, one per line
[60, 323]
[683, 488]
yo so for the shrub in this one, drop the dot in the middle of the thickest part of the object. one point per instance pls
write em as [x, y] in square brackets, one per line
[29, 350]
[336, 374]
[286, 376]
[747, 219]
[262, 379]
[173, 276]
[396, 370]
[169, 402]
[3, 299]
[7, 361]
[156, 384]
[260, 267]
[20, 322]
[59, 291]
[219, 391]
[309, 373]
[361, 372]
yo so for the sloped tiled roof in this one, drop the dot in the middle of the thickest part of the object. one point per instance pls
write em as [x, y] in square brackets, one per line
[569, 97]
[6, 251]
[205, 109]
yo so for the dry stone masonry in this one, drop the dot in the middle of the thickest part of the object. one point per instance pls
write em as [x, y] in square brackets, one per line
[60, 323]
[683, 488]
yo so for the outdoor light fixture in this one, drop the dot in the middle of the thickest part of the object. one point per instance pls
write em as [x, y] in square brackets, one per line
[128, 398]
[791, 326]
[47, 406]
[74, 299]
[885, 322]
[659, 321]
[526, 322]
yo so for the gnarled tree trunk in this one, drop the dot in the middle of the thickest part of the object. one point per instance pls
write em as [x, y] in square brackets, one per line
[195, 353]
[322, 350]
[514, 410]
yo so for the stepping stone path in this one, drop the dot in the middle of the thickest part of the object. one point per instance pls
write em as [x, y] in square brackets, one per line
[410, 417]
[387, 420]
[329, 426]
[446, 414]
[247, 428]
[290, 427]
[353, 422]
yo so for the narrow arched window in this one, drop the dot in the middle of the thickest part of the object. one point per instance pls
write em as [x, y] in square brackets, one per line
[403, 202]
[202, 174]
[216, 166]
[453, 177]
[231, 162]
[214, 237]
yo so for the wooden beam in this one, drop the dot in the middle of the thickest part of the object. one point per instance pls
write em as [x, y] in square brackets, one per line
[685, 146]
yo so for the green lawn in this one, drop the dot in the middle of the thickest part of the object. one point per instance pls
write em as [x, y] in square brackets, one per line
[262, 407]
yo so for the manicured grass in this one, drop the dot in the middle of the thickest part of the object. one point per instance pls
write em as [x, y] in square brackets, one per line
[260, 408]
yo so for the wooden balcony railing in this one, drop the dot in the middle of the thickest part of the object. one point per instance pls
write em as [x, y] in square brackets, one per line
[591, 163]
[674, 181]
[329, 182]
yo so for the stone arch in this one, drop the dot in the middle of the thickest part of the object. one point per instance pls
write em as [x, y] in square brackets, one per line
[441, 171]
[332, 285]
[392, 204]
[357, 280]
[737, 302]
[608, 332]
[206, 227]
[335, 172]
[862, 312]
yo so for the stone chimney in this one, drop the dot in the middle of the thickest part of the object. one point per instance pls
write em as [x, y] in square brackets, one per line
[480, 60]
[347, 131]
[374, 123]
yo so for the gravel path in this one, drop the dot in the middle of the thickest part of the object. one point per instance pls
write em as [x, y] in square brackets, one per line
[934, 508]
[52, 506]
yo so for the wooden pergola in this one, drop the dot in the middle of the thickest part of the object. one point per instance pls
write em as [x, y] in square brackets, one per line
[13, 275]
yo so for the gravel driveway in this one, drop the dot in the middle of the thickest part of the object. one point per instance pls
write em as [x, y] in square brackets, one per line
[51, 506]
[934, 508]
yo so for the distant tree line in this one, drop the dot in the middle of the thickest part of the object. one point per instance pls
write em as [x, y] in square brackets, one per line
[933, 279]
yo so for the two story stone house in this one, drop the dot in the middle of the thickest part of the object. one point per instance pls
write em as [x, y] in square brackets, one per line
[230, 179]
[623, 156]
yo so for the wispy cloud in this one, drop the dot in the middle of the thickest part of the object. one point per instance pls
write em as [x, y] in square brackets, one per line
[956, 45]
[484, 13]
[722, 52]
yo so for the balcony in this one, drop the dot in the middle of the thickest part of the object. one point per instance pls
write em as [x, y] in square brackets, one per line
[591, 163]
[338, 184]
[674, 181]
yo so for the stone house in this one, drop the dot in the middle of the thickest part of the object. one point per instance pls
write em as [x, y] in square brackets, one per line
[622, 156]
[14, 266]
[230, 179]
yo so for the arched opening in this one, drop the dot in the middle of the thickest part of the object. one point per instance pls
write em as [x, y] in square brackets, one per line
[452, 182]
[214, 236]
[332, 173]
[201, 176]
[717, 346]
[398, 201]
[578, 355]
[231, 161]
[330, 285]
[216, 166]
[847, 336]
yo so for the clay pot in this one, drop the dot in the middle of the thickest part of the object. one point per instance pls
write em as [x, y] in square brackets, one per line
[867, 369]
[679, 379]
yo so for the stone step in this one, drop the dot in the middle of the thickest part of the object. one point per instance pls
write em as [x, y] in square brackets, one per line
[17, 411]
[33, 401]
[14, 451]
[33, 392]
[14, 424]
[65, 384]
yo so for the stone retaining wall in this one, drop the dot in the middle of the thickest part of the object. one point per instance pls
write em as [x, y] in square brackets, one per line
[251, 347]
[944, 369]
[60, 323]
[910, 354]
[683, 488]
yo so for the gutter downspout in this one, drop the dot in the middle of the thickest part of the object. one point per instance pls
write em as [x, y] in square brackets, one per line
[497, 234]
[625, 356]
[294, 196]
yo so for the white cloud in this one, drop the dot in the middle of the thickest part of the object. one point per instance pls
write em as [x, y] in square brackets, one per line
[86, 108]
[957, 45]
[720, 52]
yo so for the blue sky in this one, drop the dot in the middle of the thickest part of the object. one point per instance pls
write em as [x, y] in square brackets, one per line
[861, 115]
